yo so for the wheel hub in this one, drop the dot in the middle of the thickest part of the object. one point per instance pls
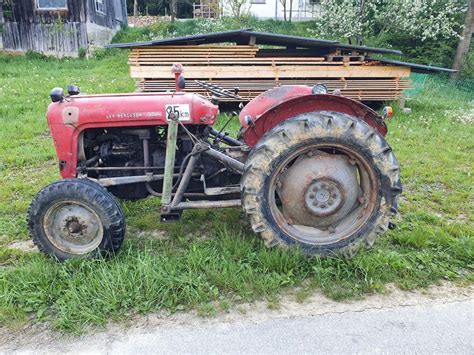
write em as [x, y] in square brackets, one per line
[318, 190]
[73, 227]
[323, 197]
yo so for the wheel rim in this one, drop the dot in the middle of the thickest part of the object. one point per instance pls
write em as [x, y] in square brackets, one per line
[323, 193]
[73, 227]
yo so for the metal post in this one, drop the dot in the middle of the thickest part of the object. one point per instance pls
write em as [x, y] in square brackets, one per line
[172, 136]
[206, 204]
[185, 180]
[169, 161]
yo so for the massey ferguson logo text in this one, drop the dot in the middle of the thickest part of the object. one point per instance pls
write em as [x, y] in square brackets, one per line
[134, 115]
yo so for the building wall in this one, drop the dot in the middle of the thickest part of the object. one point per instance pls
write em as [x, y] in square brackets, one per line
[101, 27]
[60, 32]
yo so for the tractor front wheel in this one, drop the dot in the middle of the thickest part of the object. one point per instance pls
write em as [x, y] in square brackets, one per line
[76, 218]
[323, 181]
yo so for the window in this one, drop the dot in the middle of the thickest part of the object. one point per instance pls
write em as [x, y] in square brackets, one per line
[100, 6]
[257, 1]
[51, 4]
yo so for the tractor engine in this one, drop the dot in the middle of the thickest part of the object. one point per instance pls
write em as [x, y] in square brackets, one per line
[119, 152]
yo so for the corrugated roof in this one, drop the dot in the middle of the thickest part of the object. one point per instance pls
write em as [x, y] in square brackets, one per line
[216, 37]
[243, 36]
[417, 68]
[246, 36]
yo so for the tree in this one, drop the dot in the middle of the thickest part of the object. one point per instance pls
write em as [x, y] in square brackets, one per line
[291, 10]
[236, 7]
[465, 40]
[419, 19]
[135, 7]
[283, 3]
[359, 36]
[174, 9]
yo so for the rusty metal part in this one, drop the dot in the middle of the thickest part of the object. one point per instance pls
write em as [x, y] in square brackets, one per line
[73, 227]
[183, 185]
[225, 159]
[225, 138]
[319, 190]
[123, 168]
[123, 180]
[321, 198]
[215, 191]
[206, 204]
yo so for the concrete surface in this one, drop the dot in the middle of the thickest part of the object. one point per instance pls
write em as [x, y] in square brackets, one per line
[402, 322]
[441, 328]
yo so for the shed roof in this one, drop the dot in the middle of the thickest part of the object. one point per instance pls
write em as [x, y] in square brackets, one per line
[244, 36]
[417, 68]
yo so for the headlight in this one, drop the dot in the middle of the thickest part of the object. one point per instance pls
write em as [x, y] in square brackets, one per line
[320, 89]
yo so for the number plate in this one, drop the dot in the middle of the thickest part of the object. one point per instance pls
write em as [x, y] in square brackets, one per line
[181, 111]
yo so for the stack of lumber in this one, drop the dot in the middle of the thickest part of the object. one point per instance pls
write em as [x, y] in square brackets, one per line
[256, 70]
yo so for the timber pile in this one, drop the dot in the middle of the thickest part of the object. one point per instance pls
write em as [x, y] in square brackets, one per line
[256, 70]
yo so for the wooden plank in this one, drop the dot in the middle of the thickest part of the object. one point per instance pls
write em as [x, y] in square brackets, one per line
[216, 63]
[256, 59]
[201, 46]
[283, 71]
[360, 89]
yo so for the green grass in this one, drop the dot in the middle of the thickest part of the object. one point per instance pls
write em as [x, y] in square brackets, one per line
[204, 263]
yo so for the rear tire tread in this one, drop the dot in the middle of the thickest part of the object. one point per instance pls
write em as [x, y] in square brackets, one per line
[322, 125]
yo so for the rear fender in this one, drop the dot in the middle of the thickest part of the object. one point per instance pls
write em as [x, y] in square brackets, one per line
[260, 124]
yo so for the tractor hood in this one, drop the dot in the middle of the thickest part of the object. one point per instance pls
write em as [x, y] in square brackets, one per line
[89, 111]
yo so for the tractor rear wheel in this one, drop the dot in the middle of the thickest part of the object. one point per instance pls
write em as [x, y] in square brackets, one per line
[324, 181]
[76, 218]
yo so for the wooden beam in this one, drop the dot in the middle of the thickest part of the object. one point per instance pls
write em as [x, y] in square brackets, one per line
[280, 71]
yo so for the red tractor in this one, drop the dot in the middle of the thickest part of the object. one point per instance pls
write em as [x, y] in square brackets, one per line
[310, 169]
